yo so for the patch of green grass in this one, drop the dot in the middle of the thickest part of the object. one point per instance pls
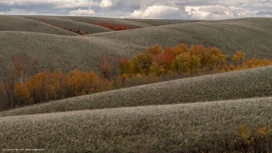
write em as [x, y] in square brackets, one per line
[162, 128]
[232, 85]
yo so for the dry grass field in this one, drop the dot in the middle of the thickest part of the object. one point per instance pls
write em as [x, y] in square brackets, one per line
[197, 114]
[17, 23]
[42, 40]
[70, 24]
[161, 128]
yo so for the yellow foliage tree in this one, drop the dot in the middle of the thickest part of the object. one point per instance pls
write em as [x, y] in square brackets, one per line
[239, 57]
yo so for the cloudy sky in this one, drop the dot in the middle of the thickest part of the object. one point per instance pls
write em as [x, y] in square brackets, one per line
[166, 9]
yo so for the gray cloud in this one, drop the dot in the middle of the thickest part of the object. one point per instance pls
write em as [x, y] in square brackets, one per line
[265, 13]
[171, 9]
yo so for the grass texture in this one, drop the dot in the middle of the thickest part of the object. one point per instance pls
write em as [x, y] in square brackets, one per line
[232, 85]
[162, 128]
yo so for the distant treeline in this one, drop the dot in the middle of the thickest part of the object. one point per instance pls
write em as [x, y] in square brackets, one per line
[24, 85]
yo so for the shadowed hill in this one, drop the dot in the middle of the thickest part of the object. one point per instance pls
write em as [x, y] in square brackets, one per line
[61, 24]
[232, 85]
[19, 23]
[68, 24]
[116, 21]
[161, 128]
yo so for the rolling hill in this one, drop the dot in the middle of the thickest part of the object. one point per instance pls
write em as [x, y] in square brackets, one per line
[253, 35]
[70, 24]
[17, 23]
[197, 114]
[193, 127]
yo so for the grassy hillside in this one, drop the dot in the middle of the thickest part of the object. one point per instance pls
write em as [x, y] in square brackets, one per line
[117, 21]
[233, 85]
[55, 51]
[197, 114]
[70, 24]
[252, 35]
[18, 23]
[160, 128]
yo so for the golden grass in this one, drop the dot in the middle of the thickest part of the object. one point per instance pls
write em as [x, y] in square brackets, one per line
[162, 128]
[232, 85]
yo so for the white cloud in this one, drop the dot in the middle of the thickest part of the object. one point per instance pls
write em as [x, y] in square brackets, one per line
[106, 3]
[2, 13]
[158, 11]
[82, 12]
[197, 9]
[217, 12]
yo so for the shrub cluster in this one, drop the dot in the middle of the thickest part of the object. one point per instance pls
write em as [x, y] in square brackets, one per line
[24, 86]
[252, 139]
[47, 85]
[185, 60]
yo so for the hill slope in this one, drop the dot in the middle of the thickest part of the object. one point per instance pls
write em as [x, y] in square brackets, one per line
[70, 24]
[138, 129]
[55, 51]
[252, 35]
[17, 23]
[233, 85]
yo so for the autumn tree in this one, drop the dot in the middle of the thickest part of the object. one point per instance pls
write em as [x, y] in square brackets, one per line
[141, 63]
[182, 63]
[239, 57]
[106, 67]
[124, 67]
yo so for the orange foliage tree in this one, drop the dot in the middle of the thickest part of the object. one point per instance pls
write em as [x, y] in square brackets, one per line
[24, 88]
[47, 86]
[239, 57]
[181, 59]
